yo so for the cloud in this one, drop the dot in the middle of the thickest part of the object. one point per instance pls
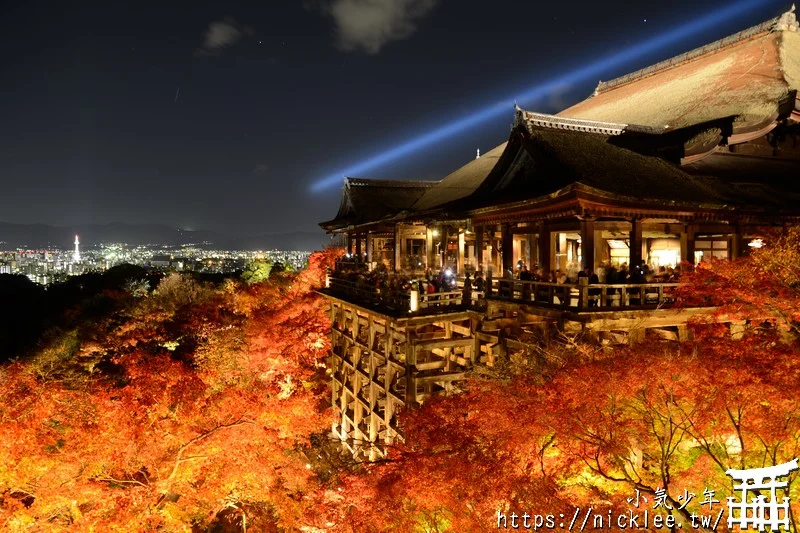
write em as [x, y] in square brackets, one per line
[368, 25]
[223, 34]
[260, 169]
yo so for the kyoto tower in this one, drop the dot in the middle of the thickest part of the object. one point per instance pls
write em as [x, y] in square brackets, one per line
[76, 255]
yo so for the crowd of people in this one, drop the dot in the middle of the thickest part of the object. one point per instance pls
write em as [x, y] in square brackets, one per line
[606, 273]
[385, 283]
[382, 281]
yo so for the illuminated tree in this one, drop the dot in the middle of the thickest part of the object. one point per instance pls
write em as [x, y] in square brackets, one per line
[257, 272]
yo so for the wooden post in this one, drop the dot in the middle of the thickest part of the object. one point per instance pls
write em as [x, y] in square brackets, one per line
[358, 247]
[397, 241]
[587, 244]
[411, 364]
[479, 248]
[583, 289]
[444, 239]
[349, 243]
[529, 255]
[460, 257]
[429, 255]
[737, 243]
[687, 243]
[635, 243]
[370, 245]
[507, 251]
[544, 248]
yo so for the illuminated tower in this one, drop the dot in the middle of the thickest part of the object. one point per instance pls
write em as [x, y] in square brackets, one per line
[76, 255]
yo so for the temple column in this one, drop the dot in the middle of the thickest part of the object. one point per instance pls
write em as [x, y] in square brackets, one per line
[544, 246]
[397, 252]
[507, 248]
[445, 237]
[462, 239]
[587, 244]
[429, 255]
[349, 243]
[529, 259]
[370, 244]
[635, 243]
[687, 243]
[479, 248]
[358, 247]
[737, 243]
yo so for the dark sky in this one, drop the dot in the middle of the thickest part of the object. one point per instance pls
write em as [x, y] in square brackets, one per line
[220, 115]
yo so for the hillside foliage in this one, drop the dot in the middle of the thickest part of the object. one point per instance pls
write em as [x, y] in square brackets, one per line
[191, 406]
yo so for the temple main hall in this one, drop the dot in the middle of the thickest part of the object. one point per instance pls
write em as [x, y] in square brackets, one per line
[692, 159]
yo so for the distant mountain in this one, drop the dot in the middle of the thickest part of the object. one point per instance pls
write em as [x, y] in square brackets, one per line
[35, 236]
[296, 240]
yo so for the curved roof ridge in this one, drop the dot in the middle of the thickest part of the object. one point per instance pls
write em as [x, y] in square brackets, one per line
[785, 22]
[387, 183]
[530, 118]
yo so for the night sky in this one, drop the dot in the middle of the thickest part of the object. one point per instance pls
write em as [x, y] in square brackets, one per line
[221, 116]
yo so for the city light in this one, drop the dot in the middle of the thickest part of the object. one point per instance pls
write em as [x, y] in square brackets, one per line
[49, 266]
[588, 72]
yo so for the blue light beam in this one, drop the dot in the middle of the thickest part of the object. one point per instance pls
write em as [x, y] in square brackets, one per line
[498, 108]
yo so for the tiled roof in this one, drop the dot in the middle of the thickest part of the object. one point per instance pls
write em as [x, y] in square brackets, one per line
[749, 76]
[365, 200]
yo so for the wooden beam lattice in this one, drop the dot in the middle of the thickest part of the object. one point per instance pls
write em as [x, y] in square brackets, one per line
[380, 365]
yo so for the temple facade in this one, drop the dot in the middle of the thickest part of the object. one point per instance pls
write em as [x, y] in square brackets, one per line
[692, 159]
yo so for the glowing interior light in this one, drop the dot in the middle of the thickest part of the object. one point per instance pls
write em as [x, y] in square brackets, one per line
[587, 72]
[756, 243]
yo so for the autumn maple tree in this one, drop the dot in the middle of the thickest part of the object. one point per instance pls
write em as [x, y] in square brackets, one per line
[188, 406]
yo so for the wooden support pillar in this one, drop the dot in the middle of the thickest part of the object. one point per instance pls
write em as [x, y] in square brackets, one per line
[507, 250]
[397, 251]
[358, 247]
[461, 251]
[635, 243]
[349, 243]
[430, 257]
[544, 248]
[479, 248]
[443, 233]
[370, 245]
[687, 243]
[587, 244]
[530, 258]
[737, 242]
[411, 367]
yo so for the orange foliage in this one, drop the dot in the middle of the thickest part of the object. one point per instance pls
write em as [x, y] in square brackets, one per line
[203, 407]
[181, 411]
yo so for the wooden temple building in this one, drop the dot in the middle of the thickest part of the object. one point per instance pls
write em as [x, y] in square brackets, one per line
[683, 161]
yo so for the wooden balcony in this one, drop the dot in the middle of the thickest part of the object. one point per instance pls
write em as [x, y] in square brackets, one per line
[584, 297]
[568, 296]
[398, 301]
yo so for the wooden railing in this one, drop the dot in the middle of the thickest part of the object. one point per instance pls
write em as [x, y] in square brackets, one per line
[411, 300]
[364, 292]
[584, 296]
[439, 299]
[573, 296]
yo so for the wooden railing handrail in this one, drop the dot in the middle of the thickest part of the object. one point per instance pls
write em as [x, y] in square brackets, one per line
[581, 295]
